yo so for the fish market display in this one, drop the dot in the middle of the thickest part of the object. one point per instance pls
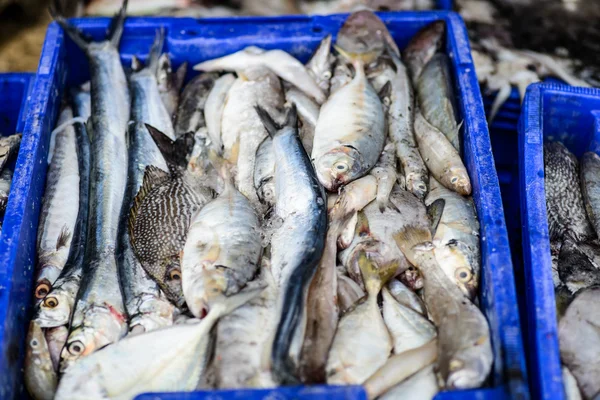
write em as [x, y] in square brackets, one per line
[270, 223]
[572, 197]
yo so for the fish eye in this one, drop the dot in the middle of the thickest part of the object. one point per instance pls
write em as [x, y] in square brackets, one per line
[34, 343]
[454, 179]
[327, 74]
[175, 274]
[455, 365]
[386, 101]
[50, 302]
[341, 166]
[75, 348]
[463, 274]
[42, 290]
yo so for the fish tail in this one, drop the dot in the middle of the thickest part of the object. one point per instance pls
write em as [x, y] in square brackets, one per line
[272, 127]
[155, 50]
[81, 39]
[115, 31]
[412, 239]
[175, 152]
[375, 277]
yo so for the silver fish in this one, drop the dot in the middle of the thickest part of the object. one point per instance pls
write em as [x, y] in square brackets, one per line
[406, 297]
[385, 172]
[59, 207]
[158, 361]
[422, 48]
[434, 90]
[579, 338]
[9, 146]
[264, 172]
[278, 61]
[590, 187]
[297, 245]
[99, 316]
[170, 83]
[464, 346]
[564, 201]
[421, 386]
[213, 109]
[308, 113]
[456, 238]
[39, 374]
[442, 160]
[56, 339]
[222, 249]
[319, 65]
[190, 111]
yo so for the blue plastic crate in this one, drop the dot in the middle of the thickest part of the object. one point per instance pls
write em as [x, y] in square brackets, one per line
[570, 115]
[198, 40]
[14, 91]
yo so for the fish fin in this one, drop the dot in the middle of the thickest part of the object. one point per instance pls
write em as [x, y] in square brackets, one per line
[115, 30]
[63, 237]
[291, 119]
[362, 225]
[155, 50]
[356, 59]
[175, 152]
[153, 176]
[227, 304]
[375, 277]
[411, 239]
[179, 76]
[435, 211]
[81, 39]
[136, 64]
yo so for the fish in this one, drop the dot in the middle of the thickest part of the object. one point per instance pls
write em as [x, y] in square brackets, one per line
[56, 338]
[590, 187]
[422, 47]
[9, 146]
[59, 207]
[278, 61]
[192, 101]
[420, 386]
[164, 360]
[579, 339]
[441, 158]
[146, 103]
[264, 173]
[213, 109]
[99, 315]
[350, 134]
[399, 367]
[348, 291]
[571, 388]
[341, 75]
[436, 98]
[146, 305]
[222, 250]
[320, 64]
[401, 130]
[39, 374]
[465, 353]
[308, 113]
[564, 200]
[406, 297]
[56, 308]
[244, 340]
[409, 329]
[5, 183]
[362, 342]
[170, 83]
[386, 175]
[297, 245]
[579, 265]
[242, 132]
[322, 313]
[162, 212]
[456, 238]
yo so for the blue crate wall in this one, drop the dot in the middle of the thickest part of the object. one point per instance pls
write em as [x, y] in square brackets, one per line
[63, 65]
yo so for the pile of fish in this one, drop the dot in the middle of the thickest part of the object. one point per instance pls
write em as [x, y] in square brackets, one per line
[573, 206]
[274, 223]
[9, 148]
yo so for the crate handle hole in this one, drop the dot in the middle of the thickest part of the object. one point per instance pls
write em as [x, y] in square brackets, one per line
[190, 32]
[317, 29]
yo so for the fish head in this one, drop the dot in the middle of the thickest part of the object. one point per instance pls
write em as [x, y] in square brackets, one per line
[205, 287]
[340, 166]
[459, 179]
[469, 368]
[40, 376]
[319, 66]
[575, 269]
[54, 310]
[103, 325]
[467, 280]
[49, 272]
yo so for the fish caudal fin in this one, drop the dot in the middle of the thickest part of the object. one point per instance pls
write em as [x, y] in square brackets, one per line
[115, 31]
[291, 120]
[155, 50]
[375, 277]
[412, 239]
[81, 39]
[174, 152]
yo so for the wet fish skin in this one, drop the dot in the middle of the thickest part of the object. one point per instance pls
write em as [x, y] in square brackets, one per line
[422, 47]
[222, 250]
[420, 386]
[350, 134]
[320, 64]
[190, 110]
[464, 347]
[442, 160]
[170, 83]
[39, 374]
[264, 172]
[213, 110]
[406, 297]
[564, 201]
[158, 361]
[59, 207]
[297, 245]
[56, 338]
[308, 113]
[456, 238]
[436, 98]
[579, 265]
[385, 173]
[590, 187]
[5, 183]
[579, 338]
[9, 145]
[348, 291]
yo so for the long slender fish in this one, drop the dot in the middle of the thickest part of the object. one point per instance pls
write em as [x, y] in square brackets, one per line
[60, 206]
[436, 98]
[39, 374]
[213, 109]
[170, 83]
[99, 317]
[264, 172]
[422, 48]
[190, 111]
[590, 187]
[297, 245]
[165, 360]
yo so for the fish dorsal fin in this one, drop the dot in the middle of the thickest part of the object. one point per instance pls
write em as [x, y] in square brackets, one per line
[174, 152]
[153, 176]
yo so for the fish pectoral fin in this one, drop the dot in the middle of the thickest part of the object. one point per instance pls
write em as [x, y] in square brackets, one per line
[435, 211]
[63, 238]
